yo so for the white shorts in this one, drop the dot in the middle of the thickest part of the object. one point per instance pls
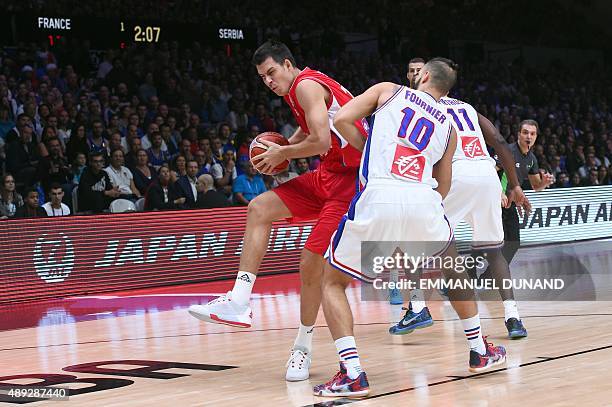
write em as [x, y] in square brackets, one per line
[389, 211]
[475, 197]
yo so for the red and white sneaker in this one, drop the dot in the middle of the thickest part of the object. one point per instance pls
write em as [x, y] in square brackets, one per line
[342, 386]
[223, 310]
[495, 356]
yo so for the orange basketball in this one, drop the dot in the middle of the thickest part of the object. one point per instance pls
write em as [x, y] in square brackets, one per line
[257, 148]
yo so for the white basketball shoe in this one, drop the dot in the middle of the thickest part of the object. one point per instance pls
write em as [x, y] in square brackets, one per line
[298, 365]
[223, 310]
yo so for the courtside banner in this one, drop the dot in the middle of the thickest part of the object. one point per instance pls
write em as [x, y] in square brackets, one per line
[79, 255]
[562, 215]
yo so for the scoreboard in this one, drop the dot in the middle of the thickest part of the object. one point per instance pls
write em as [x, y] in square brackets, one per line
[116, 33]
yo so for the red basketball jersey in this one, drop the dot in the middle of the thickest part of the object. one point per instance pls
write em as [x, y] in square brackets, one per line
[341, 155]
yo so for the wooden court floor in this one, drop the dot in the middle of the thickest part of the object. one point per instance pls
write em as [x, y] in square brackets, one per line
[565, 361]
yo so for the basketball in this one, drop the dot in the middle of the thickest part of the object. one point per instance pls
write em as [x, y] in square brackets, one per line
[257, 148]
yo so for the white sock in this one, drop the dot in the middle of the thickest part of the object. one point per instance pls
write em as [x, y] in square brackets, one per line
[511, 310]
[241, 293]
[347, 350]
[394, 276]
[417, 300]
[473, 333]
[303, 341]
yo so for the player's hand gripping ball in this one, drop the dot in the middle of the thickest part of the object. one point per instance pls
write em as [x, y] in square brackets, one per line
[265, 154]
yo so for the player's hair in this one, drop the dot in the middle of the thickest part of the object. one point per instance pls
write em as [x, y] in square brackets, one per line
[275, 50]
[529, 122]
[443, 73]
[417, 60]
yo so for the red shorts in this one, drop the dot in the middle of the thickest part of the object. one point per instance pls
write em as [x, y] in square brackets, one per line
[319, 195]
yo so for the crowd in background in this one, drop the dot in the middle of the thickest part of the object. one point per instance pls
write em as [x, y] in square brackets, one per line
[168, 126]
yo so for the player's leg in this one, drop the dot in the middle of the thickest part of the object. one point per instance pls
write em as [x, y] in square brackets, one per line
[512, 234]
[488, 234]
[483, 355]
[351, 380]
[417, 314]
[311, 271]
[233, 309]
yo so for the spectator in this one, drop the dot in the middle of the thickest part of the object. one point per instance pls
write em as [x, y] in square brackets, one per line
[575, 181]
[589, 166]
[95, 188]
[77, 142]
[592, 180]
[23, 120]
[31, 207]
[302, 166]
[224, 173]
[157, 156]
[186, 149]
[205, 161]
[10, 200]
[144, 173]
[55, 207]
[172, 145]
[603, 176]
[78, 166]
[115, 142]
[6, 124]
[248, 185]
[563, 180]
[21, 158]
[237, 117]
[135, 145]
[289, 128]
[47, 134]
[179, 167]
[208, 197]
[54, 168]
[147, 141]
[186, 185]
[121, 177]
[283, 177]
[162, 194]
[97, 141]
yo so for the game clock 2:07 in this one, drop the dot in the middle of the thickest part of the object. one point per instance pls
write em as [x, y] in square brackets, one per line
[144, 33]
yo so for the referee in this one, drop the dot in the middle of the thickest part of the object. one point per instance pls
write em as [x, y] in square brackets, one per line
[526, 167]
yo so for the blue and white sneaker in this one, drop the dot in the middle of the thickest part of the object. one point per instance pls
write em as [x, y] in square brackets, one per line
[412, 321]
[516, 329]
[395, 297]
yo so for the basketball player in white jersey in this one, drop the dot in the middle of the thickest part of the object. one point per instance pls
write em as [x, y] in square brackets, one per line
[406, 172]
[475, 197]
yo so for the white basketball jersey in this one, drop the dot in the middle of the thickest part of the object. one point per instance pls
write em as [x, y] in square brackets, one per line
[408, 135]
[471, 144]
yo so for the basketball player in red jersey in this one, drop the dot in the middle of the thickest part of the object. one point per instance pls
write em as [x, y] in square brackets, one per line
[324, 194]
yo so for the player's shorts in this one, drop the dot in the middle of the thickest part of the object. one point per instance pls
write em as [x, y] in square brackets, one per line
[321, 195]
[391, 211]
[475, 197]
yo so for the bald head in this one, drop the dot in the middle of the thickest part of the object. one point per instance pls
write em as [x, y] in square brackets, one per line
[439, 73]
[205, 183]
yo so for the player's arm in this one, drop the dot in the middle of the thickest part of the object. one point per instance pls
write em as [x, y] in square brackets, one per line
[494, 139]
[442, 170]
[359, 108]
[311, 96]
